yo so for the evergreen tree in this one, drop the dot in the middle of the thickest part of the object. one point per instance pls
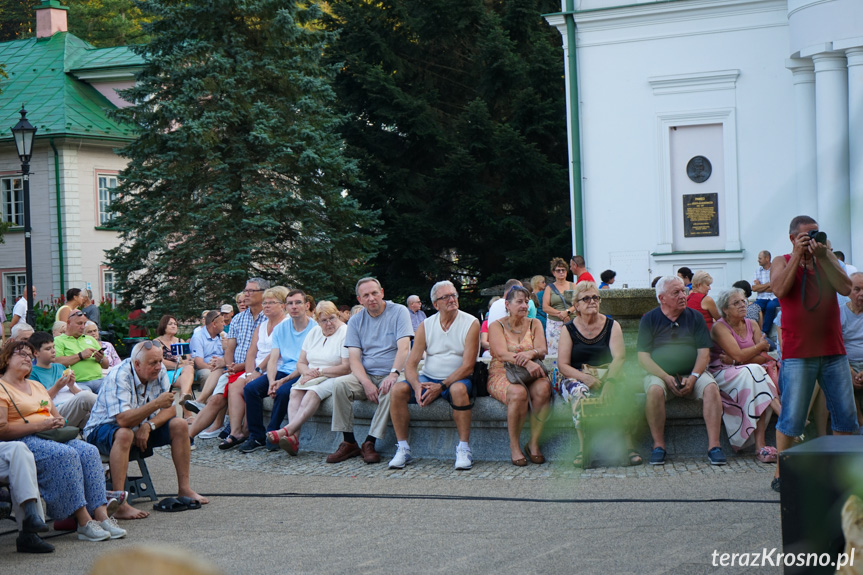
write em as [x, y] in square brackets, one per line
[459, 128]
[238, 170]
[106, 23]
[17, 19]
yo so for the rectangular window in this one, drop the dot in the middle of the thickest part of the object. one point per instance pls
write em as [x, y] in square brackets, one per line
[12, 189]
[14, 285]
[106, 185]
[108, 285]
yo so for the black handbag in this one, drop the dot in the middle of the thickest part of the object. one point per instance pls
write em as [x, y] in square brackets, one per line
[479, 379]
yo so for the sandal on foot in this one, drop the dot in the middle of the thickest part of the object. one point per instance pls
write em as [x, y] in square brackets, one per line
[766, 454]
[578, 461]
[275, 436]
[290, 443]
[538, 458]
[634, 458]
[231, 442]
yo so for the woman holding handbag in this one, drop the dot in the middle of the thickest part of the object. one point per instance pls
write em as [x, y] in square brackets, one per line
[554, 304]
[591, 354]
[516, 376]
[70, 474]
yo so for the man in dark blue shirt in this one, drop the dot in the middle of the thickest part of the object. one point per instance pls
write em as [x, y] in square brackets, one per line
[674, 349]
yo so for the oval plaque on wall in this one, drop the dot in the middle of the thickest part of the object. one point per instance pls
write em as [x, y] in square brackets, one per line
[699, 169]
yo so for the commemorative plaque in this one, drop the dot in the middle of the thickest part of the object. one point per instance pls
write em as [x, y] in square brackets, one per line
[699, 169]
[700, 215]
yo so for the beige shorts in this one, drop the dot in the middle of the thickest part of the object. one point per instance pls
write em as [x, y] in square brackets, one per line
[697, 391]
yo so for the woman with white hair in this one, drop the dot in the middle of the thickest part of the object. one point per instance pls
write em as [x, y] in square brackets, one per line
[91, 329]
[738, 360]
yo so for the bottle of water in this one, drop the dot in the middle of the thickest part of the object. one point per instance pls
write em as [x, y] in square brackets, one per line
[555, 377]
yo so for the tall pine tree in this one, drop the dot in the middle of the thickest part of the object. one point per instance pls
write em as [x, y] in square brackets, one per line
[238, 170]
[459, 128]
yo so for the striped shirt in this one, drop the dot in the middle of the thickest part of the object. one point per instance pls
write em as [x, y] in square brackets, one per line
[242, 329]
[121, 391]
[763, 276]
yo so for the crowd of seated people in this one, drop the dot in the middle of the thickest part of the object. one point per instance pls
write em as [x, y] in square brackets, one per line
[281, 344]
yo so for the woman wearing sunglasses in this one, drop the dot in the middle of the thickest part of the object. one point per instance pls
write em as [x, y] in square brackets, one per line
[591, 353]
[554, 304]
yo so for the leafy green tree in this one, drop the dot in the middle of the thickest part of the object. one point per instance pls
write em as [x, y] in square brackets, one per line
[459, 128]
[106, 23]
[239, 170]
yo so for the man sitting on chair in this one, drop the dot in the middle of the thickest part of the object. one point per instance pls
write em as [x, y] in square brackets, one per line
[135, 407]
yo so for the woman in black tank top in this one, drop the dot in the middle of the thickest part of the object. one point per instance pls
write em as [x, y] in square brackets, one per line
[591, 352]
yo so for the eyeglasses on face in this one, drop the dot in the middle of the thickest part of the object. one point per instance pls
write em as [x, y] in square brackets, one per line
[24, 353]
[560, 270]
[252, 290]
[590, 298]
[328, 319]
[271, 302]
[452, 296]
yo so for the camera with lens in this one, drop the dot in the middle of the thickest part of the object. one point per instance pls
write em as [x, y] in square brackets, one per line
[818, 236]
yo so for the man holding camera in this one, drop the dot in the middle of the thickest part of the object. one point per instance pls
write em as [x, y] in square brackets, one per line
[806, 282]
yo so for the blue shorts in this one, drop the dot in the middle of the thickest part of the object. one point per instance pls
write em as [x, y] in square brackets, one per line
[445, 393]
[103, 437]
[797, 381]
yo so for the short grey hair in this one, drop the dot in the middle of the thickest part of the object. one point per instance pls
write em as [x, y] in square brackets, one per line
[89, 323]
[365, 281]
[723, 298]
[138, 351]
[412, 298]
[663, 282]
[436, 288]
[260, 282]
[855, 274]
[20, 328]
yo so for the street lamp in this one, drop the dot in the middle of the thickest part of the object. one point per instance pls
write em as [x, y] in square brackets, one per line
[24, 133]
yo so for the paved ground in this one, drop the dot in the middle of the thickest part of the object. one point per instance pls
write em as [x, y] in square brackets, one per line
[274, 514]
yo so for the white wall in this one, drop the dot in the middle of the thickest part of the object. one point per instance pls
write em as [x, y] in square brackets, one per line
[619, 52]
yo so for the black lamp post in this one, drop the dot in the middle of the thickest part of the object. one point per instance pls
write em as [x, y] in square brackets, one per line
[24, 133]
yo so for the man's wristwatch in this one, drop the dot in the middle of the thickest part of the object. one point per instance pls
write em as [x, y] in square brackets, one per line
[695, 374]
[152, 426]
[443, 387]
[395, 371]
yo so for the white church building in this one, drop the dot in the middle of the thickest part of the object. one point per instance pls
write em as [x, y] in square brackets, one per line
[699, 128]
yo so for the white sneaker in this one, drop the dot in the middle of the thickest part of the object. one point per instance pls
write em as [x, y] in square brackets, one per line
[210, 434]
[92, 532]
[463, 458]
[402, 458]
[110, 525]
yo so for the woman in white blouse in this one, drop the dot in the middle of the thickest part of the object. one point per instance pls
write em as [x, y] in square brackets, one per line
[323, 358]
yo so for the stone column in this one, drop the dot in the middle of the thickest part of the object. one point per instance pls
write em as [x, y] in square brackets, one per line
[831, 141]
[804, 126]
[855, 149]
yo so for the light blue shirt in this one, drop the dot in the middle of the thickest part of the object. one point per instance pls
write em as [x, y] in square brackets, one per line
[290, 343]
[204, 346]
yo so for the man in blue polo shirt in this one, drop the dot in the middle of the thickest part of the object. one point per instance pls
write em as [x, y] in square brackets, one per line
[207, 353]
[288, 338]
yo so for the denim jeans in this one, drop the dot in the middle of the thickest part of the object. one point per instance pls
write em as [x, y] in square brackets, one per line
[797, 381]
[769, 307]
[254, 394]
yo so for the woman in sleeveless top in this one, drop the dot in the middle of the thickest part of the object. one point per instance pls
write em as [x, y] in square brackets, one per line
[554, 306]
[591, 339]
[177, 375]
[738, 362]
[519, 340]
[257, 358]
[699, 300]
[74, 300]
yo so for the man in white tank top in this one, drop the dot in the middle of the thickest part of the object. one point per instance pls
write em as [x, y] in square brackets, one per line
[450, 340]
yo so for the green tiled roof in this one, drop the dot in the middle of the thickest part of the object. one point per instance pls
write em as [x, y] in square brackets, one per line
[57, 102]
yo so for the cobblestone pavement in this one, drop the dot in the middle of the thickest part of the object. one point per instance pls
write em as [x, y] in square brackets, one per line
[313, 464]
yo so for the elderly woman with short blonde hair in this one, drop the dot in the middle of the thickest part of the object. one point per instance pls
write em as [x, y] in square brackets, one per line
[323, 359]
[699, 300]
